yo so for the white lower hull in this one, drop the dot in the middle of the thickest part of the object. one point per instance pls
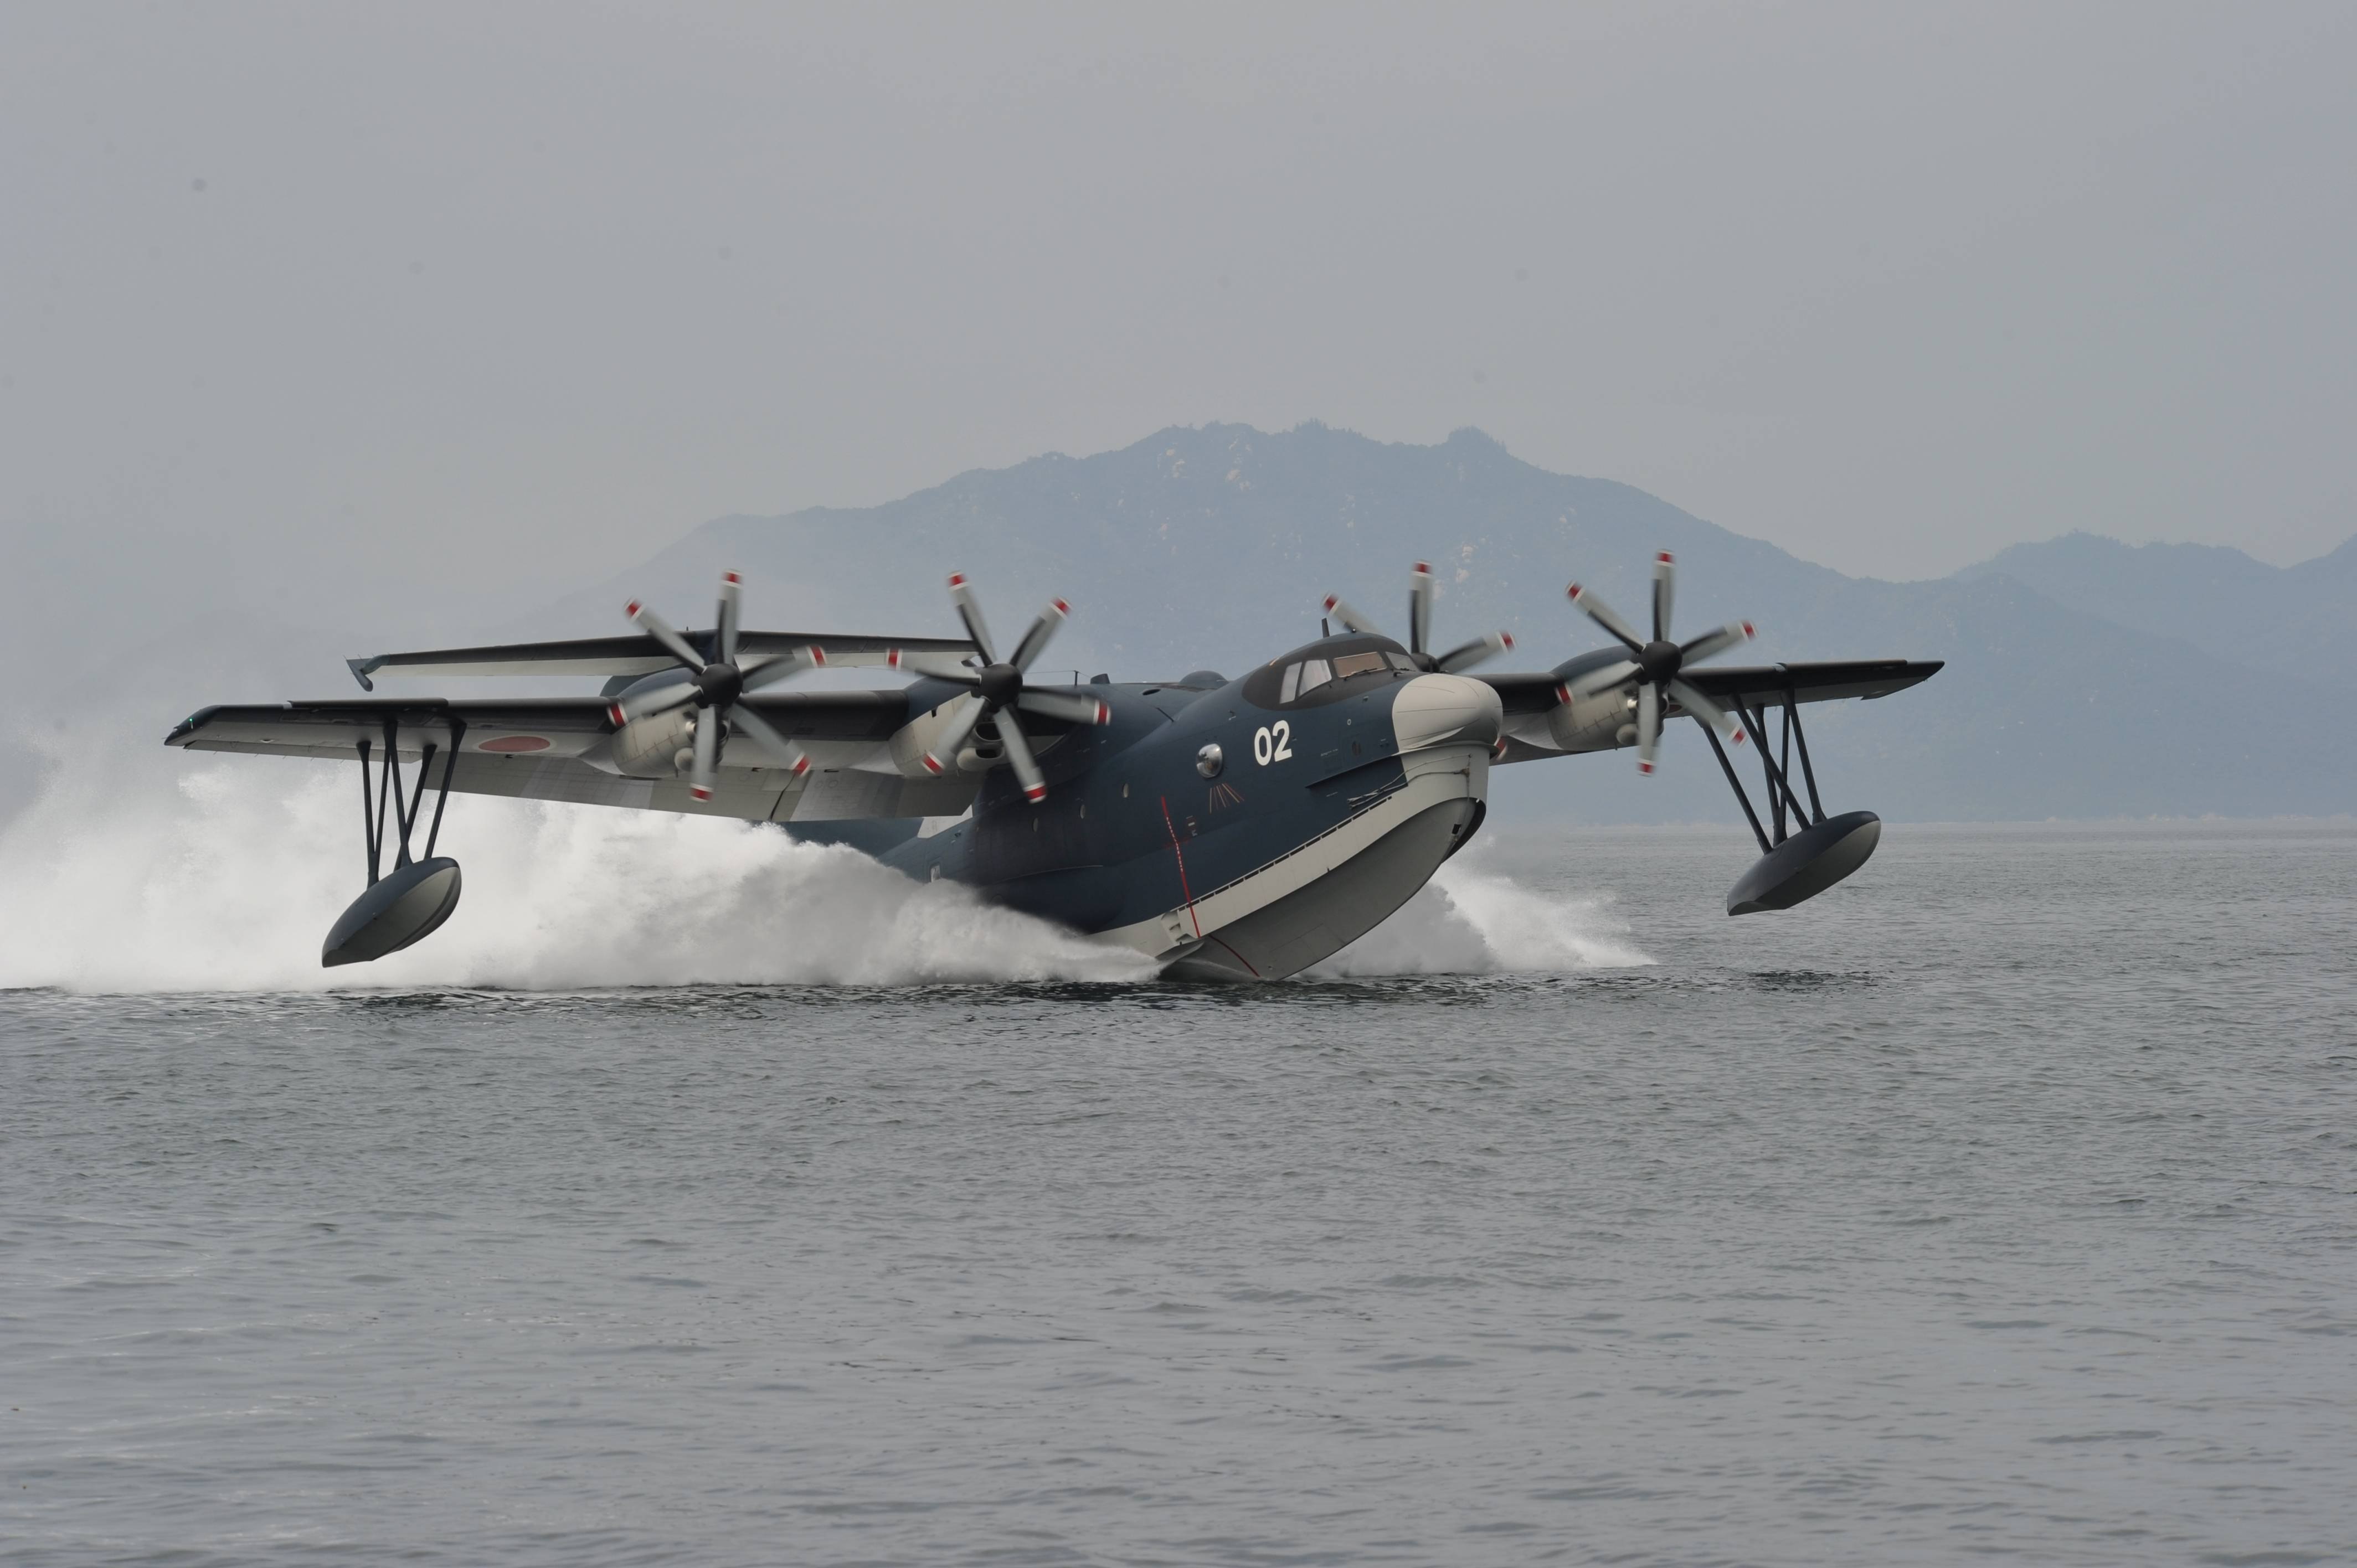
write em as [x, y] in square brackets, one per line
[1311, 903]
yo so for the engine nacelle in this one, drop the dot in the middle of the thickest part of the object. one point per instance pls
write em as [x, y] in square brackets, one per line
[1592, 722]
[650, 747]
[912, 740]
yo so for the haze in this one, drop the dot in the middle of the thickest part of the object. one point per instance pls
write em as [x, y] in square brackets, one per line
[339, 311]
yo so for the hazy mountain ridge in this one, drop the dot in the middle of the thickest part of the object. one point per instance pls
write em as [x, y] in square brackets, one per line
[2291, 620]
[1212, 547]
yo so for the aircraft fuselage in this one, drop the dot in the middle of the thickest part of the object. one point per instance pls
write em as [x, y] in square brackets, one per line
[1246, 829]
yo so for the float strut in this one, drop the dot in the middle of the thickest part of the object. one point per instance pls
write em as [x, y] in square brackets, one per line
[1779, 787]
[1808, 769]
[372, 825]
[451, 759]
[1735, 784]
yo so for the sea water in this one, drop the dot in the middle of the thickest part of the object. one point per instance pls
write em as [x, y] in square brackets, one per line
[696, 1197]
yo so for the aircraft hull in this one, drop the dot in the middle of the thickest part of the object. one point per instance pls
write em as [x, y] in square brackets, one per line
[1311, 903]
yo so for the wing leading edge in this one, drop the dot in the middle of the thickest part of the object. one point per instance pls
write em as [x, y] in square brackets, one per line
[1824, 681]
[539, 748]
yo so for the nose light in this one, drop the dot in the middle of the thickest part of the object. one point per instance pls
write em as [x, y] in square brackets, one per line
[1210, 761]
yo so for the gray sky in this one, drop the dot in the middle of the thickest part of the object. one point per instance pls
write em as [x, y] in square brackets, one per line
[291, 295]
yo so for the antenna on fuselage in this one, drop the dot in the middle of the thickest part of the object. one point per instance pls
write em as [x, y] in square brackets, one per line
[1323, 629]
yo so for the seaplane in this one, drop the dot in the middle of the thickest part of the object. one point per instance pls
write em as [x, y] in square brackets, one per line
[1227, 829]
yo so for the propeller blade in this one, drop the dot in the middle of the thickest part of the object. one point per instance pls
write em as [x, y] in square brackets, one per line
[707, 755]
[1480, 650]
[1665, 587]
[1711, 644]
[731, 589]
[943, 755]
[1419, 609]
[1035, 642]
[1068, 705]
[655, 625]
[1604, 615]
[766, 735]
[1019, 758]
[770, 671]
[1351, 619]
[945, 666]
[655, 700]
[1603, 679]
[1649, 725]
[1690, 698]
[961, 595]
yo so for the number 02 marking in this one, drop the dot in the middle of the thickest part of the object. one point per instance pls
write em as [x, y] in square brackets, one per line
[1273, 744]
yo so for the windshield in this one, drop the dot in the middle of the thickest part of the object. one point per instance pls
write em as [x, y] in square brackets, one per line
[1337, 668]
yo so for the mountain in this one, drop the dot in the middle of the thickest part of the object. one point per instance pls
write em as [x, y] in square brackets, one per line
[2292, 620]
[1212, 547]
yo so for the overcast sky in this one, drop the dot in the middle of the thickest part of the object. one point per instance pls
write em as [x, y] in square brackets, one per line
[297, 299]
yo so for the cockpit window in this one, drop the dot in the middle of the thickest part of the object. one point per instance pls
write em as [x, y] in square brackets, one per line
[1284, 682]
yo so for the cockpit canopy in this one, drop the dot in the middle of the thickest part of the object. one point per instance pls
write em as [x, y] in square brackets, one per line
[1326, 671]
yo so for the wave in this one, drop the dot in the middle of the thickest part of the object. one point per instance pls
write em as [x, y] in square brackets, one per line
[141, 872]
[1468, 921]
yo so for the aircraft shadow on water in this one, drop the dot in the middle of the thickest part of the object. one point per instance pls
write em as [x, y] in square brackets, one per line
[1227, 829]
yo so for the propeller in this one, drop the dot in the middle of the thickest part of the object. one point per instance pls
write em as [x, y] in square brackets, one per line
[998, 691]
[1419, 628]
[716, 685]
[1654, 667]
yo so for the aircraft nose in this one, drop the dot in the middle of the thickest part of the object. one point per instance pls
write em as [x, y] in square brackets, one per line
[1434, 710]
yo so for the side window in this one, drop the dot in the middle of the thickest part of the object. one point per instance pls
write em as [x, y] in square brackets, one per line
[1357, 664]
[1292, 686]
[1401, 661]
[1314, 674]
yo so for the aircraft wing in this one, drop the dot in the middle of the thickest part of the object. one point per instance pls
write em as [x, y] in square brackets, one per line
[534, 747]
[640, 654]
[1821, 681]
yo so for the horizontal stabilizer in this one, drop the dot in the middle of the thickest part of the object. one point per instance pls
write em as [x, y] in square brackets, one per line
[642, 654]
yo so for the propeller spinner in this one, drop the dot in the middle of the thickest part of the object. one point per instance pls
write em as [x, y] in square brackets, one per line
[1419, 629]
[1654, 667]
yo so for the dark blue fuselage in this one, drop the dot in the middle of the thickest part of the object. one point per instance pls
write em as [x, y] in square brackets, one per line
[1132, 825]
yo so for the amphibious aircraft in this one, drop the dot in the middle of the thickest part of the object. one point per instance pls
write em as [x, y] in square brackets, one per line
[1234, 829]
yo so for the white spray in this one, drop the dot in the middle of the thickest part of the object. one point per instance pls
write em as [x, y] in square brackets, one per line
[172, 873]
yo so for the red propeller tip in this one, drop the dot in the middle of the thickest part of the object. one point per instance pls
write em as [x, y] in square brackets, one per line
[1105, 713]
[1737, 739]
[932, 763]
[1663, 558]
[1574, 592]
[1644, 767]
[733, 579]
[817, 654]
[1748, 630]
[631, 610]
[1036, 792]
[1562, 693]
[1331, 600]
[801, 766]
[1062, 607]
[957, 579]
[1424, 568]
[699, 792]
[1506, 640]
[892, 657]
[614, 712]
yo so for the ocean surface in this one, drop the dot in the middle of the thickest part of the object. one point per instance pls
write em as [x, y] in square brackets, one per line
[2000, 1205]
